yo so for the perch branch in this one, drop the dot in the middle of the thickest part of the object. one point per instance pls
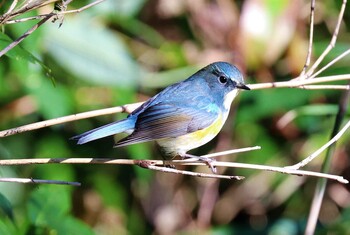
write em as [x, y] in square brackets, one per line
[145, 163]
[37, 181]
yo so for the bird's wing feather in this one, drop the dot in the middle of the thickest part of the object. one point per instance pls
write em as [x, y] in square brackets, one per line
[164, 120]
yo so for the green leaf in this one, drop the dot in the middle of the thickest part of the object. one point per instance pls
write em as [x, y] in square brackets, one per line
[7, 226]
[112, 193]
[284, 226]
[70, 225]
[19, 53]
[48, 204]
[120, 8]
[5, 207]
[92, 53]
[54, 101]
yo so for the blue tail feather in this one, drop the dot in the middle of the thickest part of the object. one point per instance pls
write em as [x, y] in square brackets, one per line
[106, 130]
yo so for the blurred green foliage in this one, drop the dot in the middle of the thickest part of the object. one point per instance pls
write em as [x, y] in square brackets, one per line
[120, 52]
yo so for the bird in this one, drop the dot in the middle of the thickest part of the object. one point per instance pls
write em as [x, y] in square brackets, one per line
[182, 117]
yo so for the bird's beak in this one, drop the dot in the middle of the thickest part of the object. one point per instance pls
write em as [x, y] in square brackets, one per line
[242, 86]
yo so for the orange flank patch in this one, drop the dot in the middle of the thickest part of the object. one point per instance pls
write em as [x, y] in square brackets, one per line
[212, 130]
[193, 140]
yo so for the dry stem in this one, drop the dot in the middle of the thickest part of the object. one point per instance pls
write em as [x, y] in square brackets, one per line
[37, 181]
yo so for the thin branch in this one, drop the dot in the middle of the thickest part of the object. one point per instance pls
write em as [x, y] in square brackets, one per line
[37, 181]
[322, 109]
[332, 42]
[299, 83]
[29, 6]
[322, 183]
[13, 5]
[34, 126]
[191, 173]
[82, 8]
[324, 87]
[320, 150]
[26, 34]
[61, 13]
[311, 36]
[231, 152]
[26, 19]
[339, 57]
[7, 14]
[42, 21]
[146, 163]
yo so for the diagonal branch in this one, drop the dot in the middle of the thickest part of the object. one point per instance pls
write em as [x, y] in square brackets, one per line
[74, 117]
[332, 42]
[311, 36]
[321, 184]
[320, 150]
[26, 34]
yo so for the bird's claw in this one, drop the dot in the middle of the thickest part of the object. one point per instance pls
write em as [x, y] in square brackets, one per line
[206, 160]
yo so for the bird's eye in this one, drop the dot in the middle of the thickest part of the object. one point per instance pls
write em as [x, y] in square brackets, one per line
[222, 79]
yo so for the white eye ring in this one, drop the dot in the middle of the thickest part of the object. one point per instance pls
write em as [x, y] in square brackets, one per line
[222, 79]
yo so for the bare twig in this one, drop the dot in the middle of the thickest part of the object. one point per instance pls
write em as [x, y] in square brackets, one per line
[332, 42]
[311, 36]
[82, 8]
[13, 5]
[339, 57]
[26, 34]
[322, 109]
[61, 13]
[57, 13]
[231, 152]
[26, 19]
[28, 6]
[42, 21]
[323, 87]
[7, 14]
[125, 108]
[145, 163]
[321, 184]
[299, 83]
[37, 181]
[191, 173]
[320, 150]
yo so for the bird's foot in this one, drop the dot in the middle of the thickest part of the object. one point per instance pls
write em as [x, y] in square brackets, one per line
[206, 160]
[169, 166]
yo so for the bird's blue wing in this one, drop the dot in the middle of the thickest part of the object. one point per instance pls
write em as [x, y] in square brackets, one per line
[165, 120]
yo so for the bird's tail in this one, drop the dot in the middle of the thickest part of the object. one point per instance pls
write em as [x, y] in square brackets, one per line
[106, 130]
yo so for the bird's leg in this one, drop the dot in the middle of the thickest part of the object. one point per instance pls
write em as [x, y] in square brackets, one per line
[206, 160]
[166, 156]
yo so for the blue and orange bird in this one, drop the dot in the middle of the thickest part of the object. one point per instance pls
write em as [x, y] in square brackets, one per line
[183, 116]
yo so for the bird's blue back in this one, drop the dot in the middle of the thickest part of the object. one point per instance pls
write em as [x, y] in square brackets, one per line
[181, 108]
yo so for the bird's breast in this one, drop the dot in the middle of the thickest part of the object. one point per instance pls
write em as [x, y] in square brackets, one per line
[229, 98]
